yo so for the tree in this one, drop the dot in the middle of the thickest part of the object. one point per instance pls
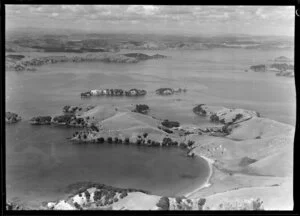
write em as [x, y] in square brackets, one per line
[141, 108]
[66, 108]
[101, 140]
[190, 143]
[123, 194]
[201, 203]
[214, 118]
[182, 145]
[237, 117]
[170, 124]
[87, 195]
[257, 204]
[163, 203]
[166, 141]
[199, 110]
[179, 199]
[77, 205]
[97, 195]
[94, 128]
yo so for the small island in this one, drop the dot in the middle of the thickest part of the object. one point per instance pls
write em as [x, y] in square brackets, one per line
[282, 67]
[11, 117]
[114, 92]
[169, 91]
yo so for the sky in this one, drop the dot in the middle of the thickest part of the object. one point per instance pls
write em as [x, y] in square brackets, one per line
[156, 19]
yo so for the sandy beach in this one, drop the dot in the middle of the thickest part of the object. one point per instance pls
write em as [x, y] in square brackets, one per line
[207, 182]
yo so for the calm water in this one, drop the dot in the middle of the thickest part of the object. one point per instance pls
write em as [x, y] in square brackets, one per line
[41, 162]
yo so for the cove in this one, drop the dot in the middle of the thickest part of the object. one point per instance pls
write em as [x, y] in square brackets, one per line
[39, 167]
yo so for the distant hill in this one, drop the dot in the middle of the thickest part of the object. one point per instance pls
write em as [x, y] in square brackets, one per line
[61, 39]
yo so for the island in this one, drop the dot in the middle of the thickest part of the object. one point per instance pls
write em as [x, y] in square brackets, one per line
[282, 59]
[258, 68]
[282, 67]
[114, 92]
[169, 91]
[11, 117]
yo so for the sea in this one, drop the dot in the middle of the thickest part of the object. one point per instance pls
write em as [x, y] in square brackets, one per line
[41, 162]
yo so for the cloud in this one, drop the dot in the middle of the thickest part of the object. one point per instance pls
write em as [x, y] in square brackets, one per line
[150, 9]
[154, 14]
[142, 9]
[54, 14]
[73, 8]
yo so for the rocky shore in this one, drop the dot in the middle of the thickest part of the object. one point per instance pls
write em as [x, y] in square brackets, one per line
[30, 63]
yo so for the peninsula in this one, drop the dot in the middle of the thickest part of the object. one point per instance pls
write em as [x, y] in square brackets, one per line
[250, 158]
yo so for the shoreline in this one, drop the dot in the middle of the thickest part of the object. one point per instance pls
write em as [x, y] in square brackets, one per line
[207, 183]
